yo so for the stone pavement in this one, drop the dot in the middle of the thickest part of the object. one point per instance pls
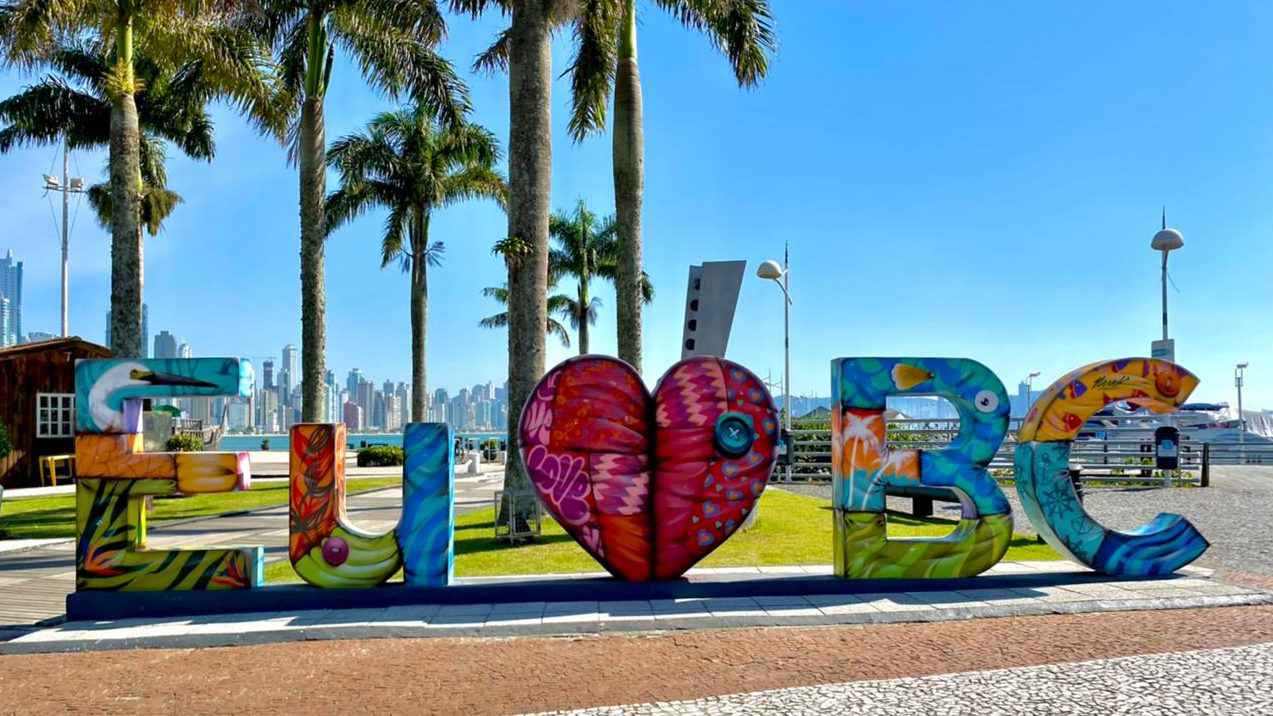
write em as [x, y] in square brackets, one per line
[1235, 680]
[34, 582]
[1194, 588]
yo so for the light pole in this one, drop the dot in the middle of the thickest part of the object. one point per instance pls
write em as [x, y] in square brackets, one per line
[781, 275]
[1029, 390]
[1239, 373]
[67, 186]
[1166, 241]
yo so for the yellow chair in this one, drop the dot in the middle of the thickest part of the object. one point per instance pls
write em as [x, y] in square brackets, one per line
[48, 466]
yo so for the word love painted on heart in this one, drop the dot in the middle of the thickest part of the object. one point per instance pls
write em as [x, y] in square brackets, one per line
[648, 483]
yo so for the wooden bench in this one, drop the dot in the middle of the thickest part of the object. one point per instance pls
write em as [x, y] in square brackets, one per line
[49, 464]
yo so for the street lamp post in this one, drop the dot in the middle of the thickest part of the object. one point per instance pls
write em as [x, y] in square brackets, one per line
[781, 275]
[67, 185]
[1166, 241]
[1239, 374]
[1029, 389]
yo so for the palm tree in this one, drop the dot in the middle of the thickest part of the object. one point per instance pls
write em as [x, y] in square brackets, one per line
[157, 201]
[525, 49]
[586, 248]
[409, 163]
[170, 33]
[742, 29]
[559, 304]
[392, 41]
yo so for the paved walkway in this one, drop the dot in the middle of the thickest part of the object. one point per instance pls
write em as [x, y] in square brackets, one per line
[1217, 681]
[34, 582]
[1196, 588]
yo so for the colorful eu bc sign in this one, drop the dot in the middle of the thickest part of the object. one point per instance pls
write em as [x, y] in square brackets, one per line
[647, 482]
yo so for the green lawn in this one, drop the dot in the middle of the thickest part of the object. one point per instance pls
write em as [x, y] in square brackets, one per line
[792, 529]
[49, 517]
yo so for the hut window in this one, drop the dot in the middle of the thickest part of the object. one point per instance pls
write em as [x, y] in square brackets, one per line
[55, 415]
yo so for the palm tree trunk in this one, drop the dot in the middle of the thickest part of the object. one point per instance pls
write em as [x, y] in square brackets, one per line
[583, 316]
[419, 317]
[125, 177]
[629, 183]
[529, 174]
[313, 190]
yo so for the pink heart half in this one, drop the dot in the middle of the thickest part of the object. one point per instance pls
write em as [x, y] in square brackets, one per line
[649, 485]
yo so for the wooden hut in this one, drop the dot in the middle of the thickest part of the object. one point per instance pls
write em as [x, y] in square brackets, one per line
[37, 403]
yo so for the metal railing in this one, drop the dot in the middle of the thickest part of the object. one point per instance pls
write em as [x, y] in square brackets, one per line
[1113, 454]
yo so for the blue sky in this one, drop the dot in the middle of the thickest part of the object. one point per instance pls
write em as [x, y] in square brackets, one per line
[971, 179]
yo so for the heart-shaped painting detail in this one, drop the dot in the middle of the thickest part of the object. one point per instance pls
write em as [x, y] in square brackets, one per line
[649, 485]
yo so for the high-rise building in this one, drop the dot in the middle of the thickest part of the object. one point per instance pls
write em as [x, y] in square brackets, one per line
[292, 365]
[11, 291]
[5, 321]
[165, 345]
[331, 394]
[284, 385]
[185, 351]
[267, 374]
[392, 416]
[353, 416]
[365, 397]
[441, 402]
[268, 410]
[403, 393]
[239, 416]
[352, 380]
[379, 410]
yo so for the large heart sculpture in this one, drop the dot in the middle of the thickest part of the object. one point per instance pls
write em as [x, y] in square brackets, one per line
[649, 485]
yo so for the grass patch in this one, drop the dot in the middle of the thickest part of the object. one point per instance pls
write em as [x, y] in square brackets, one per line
[53, 517]
[792, 529]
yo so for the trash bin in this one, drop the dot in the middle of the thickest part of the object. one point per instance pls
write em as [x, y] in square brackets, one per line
[1167, 448]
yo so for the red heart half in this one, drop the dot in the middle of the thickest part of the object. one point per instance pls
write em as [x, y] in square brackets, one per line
[649, 485]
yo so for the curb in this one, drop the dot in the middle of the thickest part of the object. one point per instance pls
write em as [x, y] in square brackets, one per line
[398, 631]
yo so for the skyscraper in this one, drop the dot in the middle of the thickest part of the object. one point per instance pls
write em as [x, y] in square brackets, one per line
[4, 322]
[165, 344]
[11, 290]
[185, 351]
[365, 397]
[403, 393]
[267, 374]
[292, 366]
[352, 381]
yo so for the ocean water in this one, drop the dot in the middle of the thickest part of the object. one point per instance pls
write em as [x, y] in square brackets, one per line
[249, 443]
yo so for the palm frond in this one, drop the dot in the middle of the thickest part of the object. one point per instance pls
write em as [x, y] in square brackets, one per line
[499, 293]
[494, 58]
[591, 71]
[48, 112]
[475, 182]
[554, 328]
[742, 29]
[395, 62]
[647, 288]
[433, 254]
[499, 320]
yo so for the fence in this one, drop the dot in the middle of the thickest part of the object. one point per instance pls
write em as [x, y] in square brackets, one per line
[1122, 452]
